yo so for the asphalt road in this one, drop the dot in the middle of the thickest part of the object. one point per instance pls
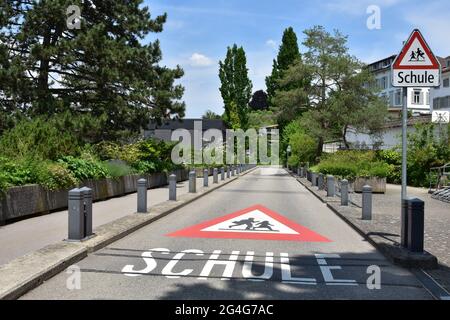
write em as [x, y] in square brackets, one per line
[149, 264]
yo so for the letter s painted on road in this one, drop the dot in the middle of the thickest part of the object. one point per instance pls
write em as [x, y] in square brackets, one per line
[150, 262]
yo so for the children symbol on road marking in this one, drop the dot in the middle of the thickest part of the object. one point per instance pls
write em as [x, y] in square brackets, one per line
[252, 224]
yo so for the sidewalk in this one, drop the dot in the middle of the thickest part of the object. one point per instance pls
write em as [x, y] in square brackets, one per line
[20, 238]
[385, 224]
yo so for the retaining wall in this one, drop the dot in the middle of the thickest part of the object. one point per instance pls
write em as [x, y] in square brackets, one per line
[27, 201]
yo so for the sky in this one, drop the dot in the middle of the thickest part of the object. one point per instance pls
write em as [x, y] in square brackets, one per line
[198, 32]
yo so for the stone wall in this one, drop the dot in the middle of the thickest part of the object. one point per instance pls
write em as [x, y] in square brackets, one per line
[30, 200]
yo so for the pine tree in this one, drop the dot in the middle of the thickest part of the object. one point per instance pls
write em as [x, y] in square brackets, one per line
[288, 53]
[103, 68]
[236, 87]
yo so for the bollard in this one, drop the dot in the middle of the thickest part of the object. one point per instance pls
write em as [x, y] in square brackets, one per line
[76, 215]
[142, 196]
[205, 177]
[222, 173]
[320, 182]
[302, 173]
[330, 186]
[228, 172]
[173, 187]
[87, 199]
[367, 202]
[215, 176]
[313, 179]
[192, 182]
[344, 192]
[415, 213]
[232, 171]
[404, 224]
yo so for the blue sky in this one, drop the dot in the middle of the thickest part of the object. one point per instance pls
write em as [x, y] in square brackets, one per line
[198, 32]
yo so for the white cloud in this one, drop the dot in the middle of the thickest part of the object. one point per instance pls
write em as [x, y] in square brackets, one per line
[200, 60]
[271, 43]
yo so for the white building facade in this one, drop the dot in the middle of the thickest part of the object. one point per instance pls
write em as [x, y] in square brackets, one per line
[440, 96]
[418, 99]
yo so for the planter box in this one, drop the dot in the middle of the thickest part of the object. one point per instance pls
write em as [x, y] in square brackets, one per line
[378, 184]
[27, 201]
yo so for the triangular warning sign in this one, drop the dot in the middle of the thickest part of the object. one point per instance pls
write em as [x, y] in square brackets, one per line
[416, 54]
[256, 223]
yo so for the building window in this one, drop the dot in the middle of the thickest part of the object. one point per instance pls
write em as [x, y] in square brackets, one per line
[436, 105]
[446, 82]
[384, 83]
[427, 98]
[416, 97]
[398, 97]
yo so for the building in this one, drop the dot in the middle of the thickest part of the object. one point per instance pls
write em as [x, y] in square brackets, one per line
[418, 99]
[164, 130]
[388, 137]
[440, 96]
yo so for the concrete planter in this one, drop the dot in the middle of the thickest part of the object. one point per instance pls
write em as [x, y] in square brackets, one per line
[27, 201]
[378, 184]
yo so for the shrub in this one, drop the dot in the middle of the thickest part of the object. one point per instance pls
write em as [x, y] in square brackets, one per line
[83, 169]
[351, 164]
[118, 168]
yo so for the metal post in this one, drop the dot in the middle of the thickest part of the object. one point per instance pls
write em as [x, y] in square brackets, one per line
[222, 173]
[344, 192]
[415, 224]
[330, 186]
[404, 224]
[313, 179]
[192, 182]
[76, 214]
[367, 202]
[232, 171]
[215, 176]
[87, 199]
[228, 172]
[205, 177]
[142, 196]
[173, 187]
[320, 182]
[302, 173]
[404, 155]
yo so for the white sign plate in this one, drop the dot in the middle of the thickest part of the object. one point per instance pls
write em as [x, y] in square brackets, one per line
[416, 65]
[440, 117]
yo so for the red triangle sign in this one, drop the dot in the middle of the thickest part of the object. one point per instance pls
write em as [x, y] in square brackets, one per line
[255, 223]
[416, 54]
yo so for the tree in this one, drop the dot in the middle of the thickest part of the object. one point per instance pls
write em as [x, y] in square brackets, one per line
[288, 53]
[236, 87]
[211, 115]
[259, 101]
[339, 94]
[102, 68]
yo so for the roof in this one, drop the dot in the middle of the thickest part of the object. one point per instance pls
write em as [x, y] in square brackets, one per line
[188, 124]
[443, 62]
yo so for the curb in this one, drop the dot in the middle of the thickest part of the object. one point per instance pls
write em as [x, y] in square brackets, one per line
[29, 271]
[396, 254]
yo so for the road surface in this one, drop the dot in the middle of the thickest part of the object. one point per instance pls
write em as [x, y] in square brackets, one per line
[330, 262]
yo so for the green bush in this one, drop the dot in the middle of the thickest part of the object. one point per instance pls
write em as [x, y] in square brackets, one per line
[83, 169]
[118, 169]
[351, 164]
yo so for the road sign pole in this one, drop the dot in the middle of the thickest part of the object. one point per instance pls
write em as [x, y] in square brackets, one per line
[404, 164]
[404, 142]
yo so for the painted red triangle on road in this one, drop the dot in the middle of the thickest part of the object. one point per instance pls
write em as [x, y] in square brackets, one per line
[255, 223]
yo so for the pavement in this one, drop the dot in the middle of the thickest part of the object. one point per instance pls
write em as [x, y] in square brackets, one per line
[384, 228]
[201, 264]
[35, 233]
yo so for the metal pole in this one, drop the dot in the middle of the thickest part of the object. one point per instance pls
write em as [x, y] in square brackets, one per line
[142, 196]
[87, 199]
[192, 182]
[404, 142]
[404, 194]
[76, 214]
[173, 187]
[205, 177]
[222, 173]
[215, 176]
